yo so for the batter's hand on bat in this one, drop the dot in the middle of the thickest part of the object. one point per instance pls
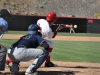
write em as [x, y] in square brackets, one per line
[61, 26]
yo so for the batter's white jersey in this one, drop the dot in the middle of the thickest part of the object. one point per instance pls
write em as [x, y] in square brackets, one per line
[45, 28]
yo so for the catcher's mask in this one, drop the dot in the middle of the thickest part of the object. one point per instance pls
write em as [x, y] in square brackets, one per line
[34, 29]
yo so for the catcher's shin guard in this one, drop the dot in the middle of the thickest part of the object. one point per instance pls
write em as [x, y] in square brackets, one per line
[15, 67]
[3, 52]
[39, 61]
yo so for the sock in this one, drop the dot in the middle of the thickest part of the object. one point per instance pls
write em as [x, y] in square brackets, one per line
[9, 60]
[48, 58]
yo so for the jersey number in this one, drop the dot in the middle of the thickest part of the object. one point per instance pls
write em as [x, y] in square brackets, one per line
[27, 37]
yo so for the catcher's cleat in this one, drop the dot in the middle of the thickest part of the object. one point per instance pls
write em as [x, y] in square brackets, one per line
[2, 73]
[7, 64]
[13, 73]
[50, 64]
[35, 73]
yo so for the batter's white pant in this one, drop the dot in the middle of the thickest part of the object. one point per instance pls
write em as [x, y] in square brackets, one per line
[51, 44]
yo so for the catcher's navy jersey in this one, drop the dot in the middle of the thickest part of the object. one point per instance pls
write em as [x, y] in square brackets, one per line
[31, 41]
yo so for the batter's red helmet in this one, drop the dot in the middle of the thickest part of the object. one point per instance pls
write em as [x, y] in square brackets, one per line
[51, 16]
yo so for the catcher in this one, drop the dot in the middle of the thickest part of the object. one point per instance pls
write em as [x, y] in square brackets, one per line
[25, 49]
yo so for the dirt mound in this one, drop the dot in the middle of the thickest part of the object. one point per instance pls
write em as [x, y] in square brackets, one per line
[64, 68]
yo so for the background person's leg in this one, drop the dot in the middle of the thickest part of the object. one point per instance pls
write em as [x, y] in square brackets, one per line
[1, 35]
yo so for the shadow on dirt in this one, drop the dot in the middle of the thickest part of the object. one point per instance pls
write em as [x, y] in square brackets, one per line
[82, 67]
[46, 73]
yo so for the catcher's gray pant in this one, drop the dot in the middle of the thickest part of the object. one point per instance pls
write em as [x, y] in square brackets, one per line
[24, 54]
[3, 52]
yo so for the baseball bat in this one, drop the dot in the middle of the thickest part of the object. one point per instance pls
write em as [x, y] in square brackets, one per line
[67, 25]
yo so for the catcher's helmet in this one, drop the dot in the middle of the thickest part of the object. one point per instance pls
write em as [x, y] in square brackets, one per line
[51, 16]
[33, 29]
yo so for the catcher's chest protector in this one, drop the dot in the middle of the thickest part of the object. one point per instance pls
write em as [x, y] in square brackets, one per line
[3, 52]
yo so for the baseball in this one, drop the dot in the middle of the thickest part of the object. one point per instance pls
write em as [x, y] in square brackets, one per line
[75, 26]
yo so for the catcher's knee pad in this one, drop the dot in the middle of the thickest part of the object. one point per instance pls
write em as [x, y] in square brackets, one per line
[38, 62]
[45, 54]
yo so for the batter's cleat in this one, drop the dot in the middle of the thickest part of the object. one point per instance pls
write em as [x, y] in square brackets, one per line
[50, 64]
[35, 73]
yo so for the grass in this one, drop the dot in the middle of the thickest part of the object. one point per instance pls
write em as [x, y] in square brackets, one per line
[75, 51]
[59, 33]
[15, 32]
[7, 42]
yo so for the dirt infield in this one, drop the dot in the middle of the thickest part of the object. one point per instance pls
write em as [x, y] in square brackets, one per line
[67, 38]
[64, 68]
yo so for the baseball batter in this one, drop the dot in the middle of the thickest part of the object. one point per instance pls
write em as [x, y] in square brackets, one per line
[47, 32]
[25, 49]
[5, 17]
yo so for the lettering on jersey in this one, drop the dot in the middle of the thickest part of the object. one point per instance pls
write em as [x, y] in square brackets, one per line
[27, 37]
